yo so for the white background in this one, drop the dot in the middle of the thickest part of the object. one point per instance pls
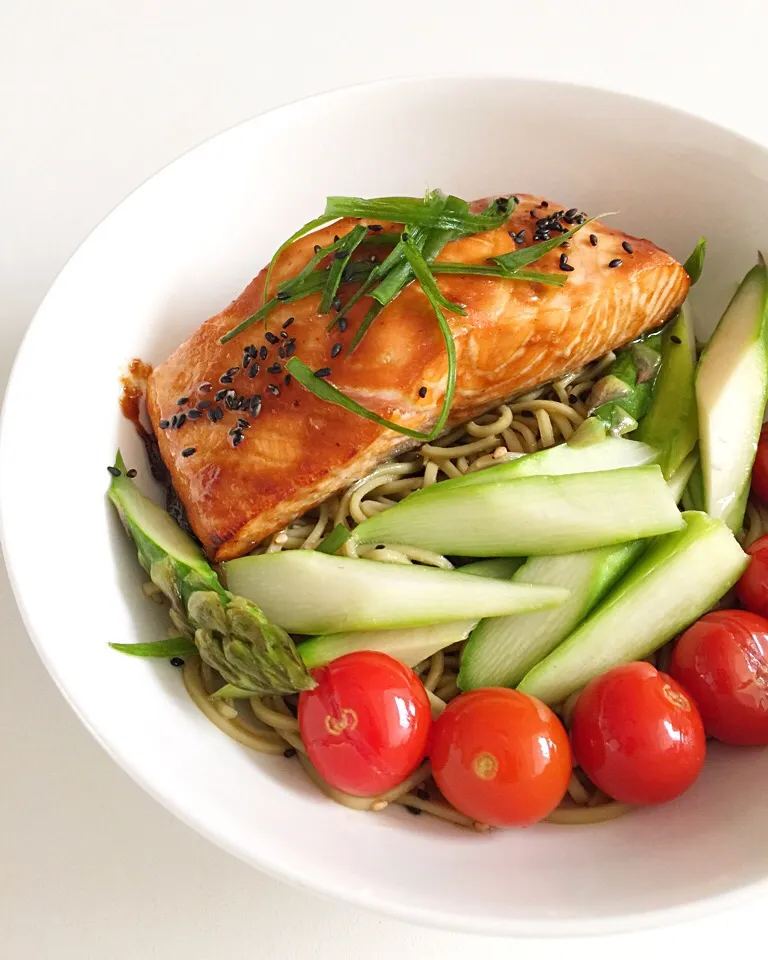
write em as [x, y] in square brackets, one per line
[94, 97]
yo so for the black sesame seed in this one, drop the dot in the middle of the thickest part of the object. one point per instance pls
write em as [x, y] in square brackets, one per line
[404, 237]
[323, 372]
[275, 368]
[270, 337]
[131, 473]
[163, 424]
[290, 348]
[317, 248]
[250, 350]
[203, 404]
[290, 752]
[533, 213]
[570, 214]
[281, 353]
[182, 400]
[205, 387]
[263, 353]
[212, 416]
[283, 335]
[675, 339]
[340, 255]
[564, 265]
[256, 405]
[273, 389]
[219, 413]
[246, 361]
[220, 395]
[283, 295]
[627, 247]
[516, 199]
[174, 419]
[336, 238]
[288, 322]
[230, 401]
[287, 379]
[615, 263]
[225, 378]
[376, 227]
[520, 237]
[237, 437]
[194, 414]
[572, 398]
[342, 324]
[181, 421]
[414, 810]
[593, 239]
[335, 350]
[336, 303]
[565, 244]
[422, 392]
[114, 471]
[581, 218]
[177, 662]
[379, 546]
[253, 372]
[188, 451]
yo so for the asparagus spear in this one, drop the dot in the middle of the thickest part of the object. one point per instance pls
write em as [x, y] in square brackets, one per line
[232, 635]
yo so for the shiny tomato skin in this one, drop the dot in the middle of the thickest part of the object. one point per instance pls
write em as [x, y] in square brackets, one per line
[366, 724]
[752, 587]
[637, 735]
[500, 757]
[760, 467]
[722, 661]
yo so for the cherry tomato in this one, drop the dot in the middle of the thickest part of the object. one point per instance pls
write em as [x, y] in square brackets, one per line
[637, 735]
[760, 468]
[366, 723]
[501, 757]
[722, 660]
[752, 588]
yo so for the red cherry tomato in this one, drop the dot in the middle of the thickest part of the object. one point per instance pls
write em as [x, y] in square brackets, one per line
[722, 660]
[752, 588]
[637, 735]
[501, 757]
[760, 468]
[366, 723]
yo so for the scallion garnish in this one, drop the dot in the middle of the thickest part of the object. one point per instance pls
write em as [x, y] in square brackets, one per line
[307, 228]
[416, 212]
[326, 391]
[335, 539]
[694, 265]
[495, 270]
[521, 258]
[346, 247]
[172, 647]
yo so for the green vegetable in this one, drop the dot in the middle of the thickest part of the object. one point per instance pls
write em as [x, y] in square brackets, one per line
[527, 255]
[489, 270]
[302, 231]
[231, 634]
[610, 453]
[346, 247]
[621, 398]
[531, 516]
[731, 393]
[409, 644]
[670, 424]
[693, 498]
[173, 647]
[417, 212]
[310, 592]
[694, 265]
[501, 650]
[677, 580]
[679, 480]
[335, 539]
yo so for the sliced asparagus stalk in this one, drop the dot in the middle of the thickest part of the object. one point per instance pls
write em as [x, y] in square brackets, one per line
[671, 425]
[409, 644]
[678, 579]
[309, 592]
[533, 516]
[731, 391]
[608, 453]
[231, 634]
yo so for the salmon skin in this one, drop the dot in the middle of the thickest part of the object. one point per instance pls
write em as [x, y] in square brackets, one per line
[239, 487]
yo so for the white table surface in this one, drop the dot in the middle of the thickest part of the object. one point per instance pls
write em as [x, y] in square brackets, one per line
[94, 97]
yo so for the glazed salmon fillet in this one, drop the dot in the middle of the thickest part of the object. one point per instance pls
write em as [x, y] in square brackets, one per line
[297, 450]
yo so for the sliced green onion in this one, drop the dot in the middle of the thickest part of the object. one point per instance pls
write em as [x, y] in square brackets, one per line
[347, 246]
[415, 211]
[432, 293]
[400, 273]
[694, 265]
[326, 391]
[493, 270]
[335, 539]
[521, 258]
[307, 228]
[173, 647]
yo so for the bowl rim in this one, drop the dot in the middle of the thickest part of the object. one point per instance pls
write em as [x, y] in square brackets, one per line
[396, 909]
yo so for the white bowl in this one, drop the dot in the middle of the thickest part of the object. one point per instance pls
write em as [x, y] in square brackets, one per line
[175, 252]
